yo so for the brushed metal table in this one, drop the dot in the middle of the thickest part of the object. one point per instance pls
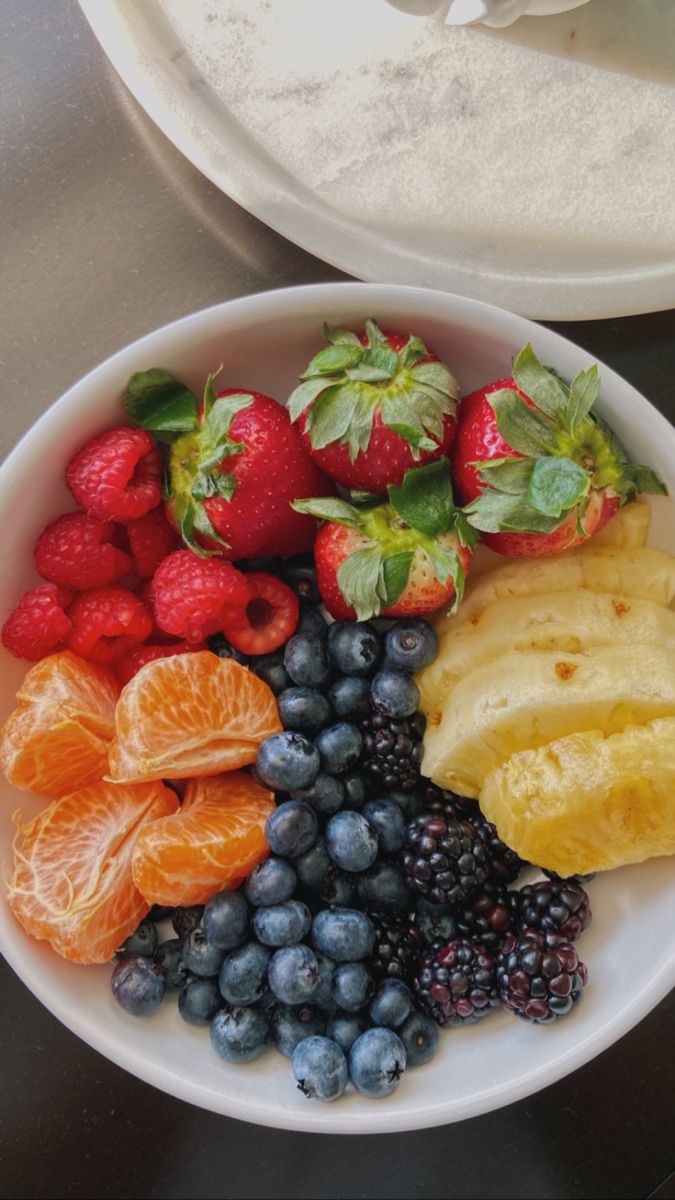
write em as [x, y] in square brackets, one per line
[107, 232]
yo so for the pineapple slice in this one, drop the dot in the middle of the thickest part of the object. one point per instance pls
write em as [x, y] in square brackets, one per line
[627, 529]
[523, 700]
[588, 802]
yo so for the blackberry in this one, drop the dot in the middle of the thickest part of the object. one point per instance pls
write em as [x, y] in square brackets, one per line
[458, 984]
[505, 864]
[554, 906]
[436, 923]
[218, 644]
[576, 878]
[537, 981]
[457, 808]
[486, 917]
[392, 751]
[443, 859]
[397, 946]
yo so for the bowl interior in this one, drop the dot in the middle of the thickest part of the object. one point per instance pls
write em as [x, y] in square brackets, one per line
[264, 341]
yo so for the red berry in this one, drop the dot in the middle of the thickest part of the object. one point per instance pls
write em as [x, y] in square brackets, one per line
[117, 476]
[38, 624]
[271, 616]
[194, 597]
[151, 538]
[75, 551]
[132, 660]
[106, 623]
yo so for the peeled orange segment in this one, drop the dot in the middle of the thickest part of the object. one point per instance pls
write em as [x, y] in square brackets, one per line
[587, 802]
[215, 839]
[72, 881]
[195, 714]
[58, 736]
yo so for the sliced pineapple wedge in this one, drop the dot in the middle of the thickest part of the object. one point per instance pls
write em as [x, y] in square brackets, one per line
[627, 529]
[524, 700]
[587, 802]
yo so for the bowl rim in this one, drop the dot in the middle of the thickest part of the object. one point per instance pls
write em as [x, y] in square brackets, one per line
[378, 1118]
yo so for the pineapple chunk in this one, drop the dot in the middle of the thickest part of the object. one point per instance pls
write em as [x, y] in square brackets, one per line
[627, 529]
[588, 802]
[524, 700]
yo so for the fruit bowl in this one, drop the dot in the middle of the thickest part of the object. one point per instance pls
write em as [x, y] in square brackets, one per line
[264, 341]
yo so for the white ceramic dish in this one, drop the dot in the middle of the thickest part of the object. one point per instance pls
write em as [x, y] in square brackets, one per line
[264, 340]
[420, 154]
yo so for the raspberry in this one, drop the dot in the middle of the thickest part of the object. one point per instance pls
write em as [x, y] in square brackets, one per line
[151, 538]
[271, 616]
[194, 597]
[117, 476]
[132, 660]
[75, 551]
[106, 623]
[38, 624]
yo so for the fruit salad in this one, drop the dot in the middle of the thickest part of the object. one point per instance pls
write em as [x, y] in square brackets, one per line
[314, 687]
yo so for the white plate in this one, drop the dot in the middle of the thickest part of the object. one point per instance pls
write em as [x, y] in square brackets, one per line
[402, 150]
[264, 340]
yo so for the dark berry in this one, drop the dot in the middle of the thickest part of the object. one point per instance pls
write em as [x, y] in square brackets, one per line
[199, 1001]
[339, 747]
[351, 841]
[444, 860]
[411, 644]
[320, 1068]
[169, 956]
[355, 790]
[344, 1028]
[138, 985]
[311, 623]
[392, 751]
[291, 829]
[301, 577]
[419, 1035]
[504, 864]
[559, 907]
[282, 924]
[142, 941]
[354, 647]
[271, 882]
[160, 912]
[486, 916]
[200, 956]
[457, 985]
[437, 923]
[289, 1026]
[306, 661]
[286, 761]
[388, 822]
[270, 668]
[293, 974]
[350, 697]
[219, 645]
[239, 1034]
[377, 1061]
[538, 981]
[383, 887]
[243, 975]
[343, 934]
[394, 693]
[352, 986]
[397, 948]
[225, 920]
[326, 795]
[184, 920]
[303, 709]
[391, 1004]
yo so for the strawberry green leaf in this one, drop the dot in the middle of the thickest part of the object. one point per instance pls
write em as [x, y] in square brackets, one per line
[466, 533]
[395, 573]
[510, 475]
[360, 579]
[615, 444]
[438, 376]
[645, 479]
[220, 418]
[157, 401]
[206, 486]
[361, 426]
[447, 565]
[540, 384]
[331, 416]
[203, 525]
[496, 512]
[525, 429]
[340, 337]
[557, 485]
[413, 351]
[333, 360]
[424, 500]
[304, 395]
[584, 392]
[374, 334]
[210, 391]
[376, 366]
[410, 415]
[329, 508]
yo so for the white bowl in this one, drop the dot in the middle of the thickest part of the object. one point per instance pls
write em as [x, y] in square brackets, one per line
[264, 340]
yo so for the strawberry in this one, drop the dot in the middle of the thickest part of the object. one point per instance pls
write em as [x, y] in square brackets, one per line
[371, 407]
[404, 556]
[234, 464]
[537, 470]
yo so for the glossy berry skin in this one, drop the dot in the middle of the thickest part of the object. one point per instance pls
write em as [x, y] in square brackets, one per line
[200, 956]
[559, 907]
[436, 923]
[117, 476]
[169, 956]
[343, 934]
[193, 597]
[323, 995]
[350, 697]
[287, 761]
[306, 661]
[142, 941]
[239, 1034]
[38, 624]
[293, 974]
[355, 790]
[320, 1069]
[339, 747]
[270, 882]
[300, 575]
[397, 946]
[386, 818]
[270, 668]
[377, 1061]
[310, 621]
[243, 975]
[394, 693]
[351, 842]
[291, 829]
[76, 551]
[537, 981]
[383, 888]
[352, 986]
[457, 985]
[419, 1035]
[282, 924]
[313, 866]
[106, 622]
[344, 1028]
[304, 710]
[184, 920]
[391, 1004]
[151, 539]
[444, 860]
[487, 916]
[271, 616]
[411, 645]
[326, 795]
[138, 985]
[225, 920]
[290, 1026]
[199, 1000]
[354, 647]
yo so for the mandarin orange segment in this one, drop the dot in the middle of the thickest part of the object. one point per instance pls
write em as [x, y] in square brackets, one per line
[72, 883]
[215, 839]
[195, 714]
[58, 736]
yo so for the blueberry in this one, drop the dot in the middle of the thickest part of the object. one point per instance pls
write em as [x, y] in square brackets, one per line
[312, 866]
[326, 795]
[160, 912]
[303, 709]
[410, 803]
[311, 623]
[350, 697]
[419, 1035]
[225, 920]
[354, 647]
[343, 934]
[138, 985]
[344, 1028]
[355, 790]
[392, 1004]
[376, 1062]
[386, 818]
[436, 922]
[394, 693]
[239, 1034]
[169, 956]
[301, 577]
[353, 986]
[289, 1026]
[282, 924]
[243, 975]
[142, 941]
[351, 842]
[306, 661]
[270, 668]
[339, 747]
[199, 1001]
[291, 828]
[293, 974]
[323, 996]
[320, 1068]
[200, 956]
[384, 886]
[218, 644]
[286, 761]
[411, 644]
[271, 882]
[184, 920]
[338, 888]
